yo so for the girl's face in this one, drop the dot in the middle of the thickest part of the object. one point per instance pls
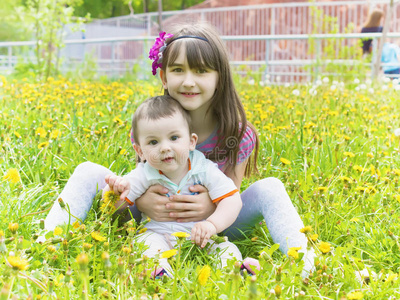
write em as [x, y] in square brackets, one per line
[192, 88]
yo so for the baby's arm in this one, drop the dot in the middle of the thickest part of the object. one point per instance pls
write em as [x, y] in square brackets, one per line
[226, 213]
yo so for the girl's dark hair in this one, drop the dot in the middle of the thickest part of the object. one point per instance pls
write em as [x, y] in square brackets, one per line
[225, 104]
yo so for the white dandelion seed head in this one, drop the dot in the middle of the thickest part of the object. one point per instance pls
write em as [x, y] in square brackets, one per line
[251, 82]
[333, 87]
[395, 81]
[397, 132]
[357, 88]
[356, 81]
[296, 92]
[371, 90]
[386, 79]
[318, 82]
[335, 82]
[397, 87]
[363, 86]
[368, 81]
[384, 87]
[278, 78]
[325, 80]
[261, 83]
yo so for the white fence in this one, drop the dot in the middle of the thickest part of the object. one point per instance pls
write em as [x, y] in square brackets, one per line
[275, 36]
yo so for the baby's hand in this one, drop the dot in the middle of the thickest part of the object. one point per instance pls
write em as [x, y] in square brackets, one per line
[202, 231]
[118, 184]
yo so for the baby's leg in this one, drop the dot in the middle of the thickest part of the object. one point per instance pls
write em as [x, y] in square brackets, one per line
[228, 250]
[156, 244]
[78, 193]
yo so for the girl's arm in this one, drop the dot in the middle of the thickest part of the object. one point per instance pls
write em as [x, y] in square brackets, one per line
[226, 213]
[237, 173]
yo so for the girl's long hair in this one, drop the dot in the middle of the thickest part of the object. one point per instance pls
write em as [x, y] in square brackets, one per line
[225, 104]
[374, 18]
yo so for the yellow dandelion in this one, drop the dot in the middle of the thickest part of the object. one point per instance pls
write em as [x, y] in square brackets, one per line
[41, 132]
[87, 246]
[285, 161]
[358, 168]
[169, 253]
[51, 248]
[314, 237]
[82, 260]
[349, 154]
[204, 274]
[126, 250]
[143, 230]
[324, 247]
[397, 172]
[18, 263]
[354, 219]
[123, 152]
[97, 236]
[370, 155]
[12, 175]
[346, 179]
[306, 229]
[55, 134]
[58, 231]
[13, 227]
[322, 189]
[17, 134]
[42, 145]
[294, 252]
[180, 234]
[355, 296]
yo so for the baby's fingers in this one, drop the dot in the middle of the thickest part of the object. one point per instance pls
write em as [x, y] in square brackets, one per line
[205, 239]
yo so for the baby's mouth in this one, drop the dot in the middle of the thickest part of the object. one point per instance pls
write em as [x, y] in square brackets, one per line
[168, 159]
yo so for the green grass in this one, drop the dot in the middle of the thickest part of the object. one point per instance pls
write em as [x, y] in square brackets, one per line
[343, 178]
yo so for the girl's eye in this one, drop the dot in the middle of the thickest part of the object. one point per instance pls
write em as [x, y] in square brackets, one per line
[177, 70]
[174, 137]
[153, 142]
[201, 71]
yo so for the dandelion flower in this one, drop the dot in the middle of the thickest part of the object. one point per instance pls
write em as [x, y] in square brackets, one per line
[169, 253]
[293, 252]
[355, 296]
[87, 246]
[349, 154]
[324, 247]
[42, 145]
[41, 132]
[13, 227]
[58, 231]
[285, 161]
[314, 237]
[354, 219]
[12, 175]
[97, 236]
[306, 229]
[204, 274]
[18, 263]
[180, 234]
[17, 134]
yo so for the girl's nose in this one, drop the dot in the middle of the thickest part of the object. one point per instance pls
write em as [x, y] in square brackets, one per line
[189, 80]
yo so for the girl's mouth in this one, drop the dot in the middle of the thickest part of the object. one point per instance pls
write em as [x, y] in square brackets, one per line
[190, 95]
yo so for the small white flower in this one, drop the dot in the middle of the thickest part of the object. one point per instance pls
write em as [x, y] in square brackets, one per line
[333, 87]
[312, 92]
[296, 92]
[397, 132]
[272, 291]
[371, 90]
[368, 81]
[363, 86]
[325, 80]
[364, 275]
[356, 80]
[318, 82]
[261, 83]
[357, 88]
[335, 82]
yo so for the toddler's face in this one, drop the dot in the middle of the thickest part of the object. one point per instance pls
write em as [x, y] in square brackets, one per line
[165, 144]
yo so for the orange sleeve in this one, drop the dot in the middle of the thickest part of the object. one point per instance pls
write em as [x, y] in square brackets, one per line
[226, 195]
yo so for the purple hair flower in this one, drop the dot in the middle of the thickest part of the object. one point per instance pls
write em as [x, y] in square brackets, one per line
[156, 51]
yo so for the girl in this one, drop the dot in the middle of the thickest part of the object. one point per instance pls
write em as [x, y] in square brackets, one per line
[195, 71]
[373, 24]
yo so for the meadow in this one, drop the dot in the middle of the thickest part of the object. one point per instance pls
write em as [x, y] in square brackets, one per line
[334, 145]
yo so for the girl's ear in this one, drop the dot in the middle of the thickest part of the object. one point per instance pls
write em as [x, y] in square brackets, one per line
[163, 79]
[193, 141]
[139, 151]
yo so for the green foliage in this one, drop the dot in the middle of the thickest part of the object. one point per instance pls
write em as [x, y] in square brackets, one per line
[335, 151]
[326, 51]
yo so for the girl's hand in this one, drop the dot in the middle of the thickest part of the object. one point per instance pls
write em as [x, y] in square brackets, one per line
[118, 184]
[191, 208]
[201, 233]
[153, 203]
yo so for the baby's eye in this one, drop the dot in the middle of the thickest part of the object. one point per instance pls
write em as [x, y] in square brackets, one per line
[153, 142]
[174, 137]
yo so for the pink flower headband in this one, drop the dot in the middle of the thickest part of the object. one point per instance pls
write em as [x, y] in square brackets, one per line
[156, 52]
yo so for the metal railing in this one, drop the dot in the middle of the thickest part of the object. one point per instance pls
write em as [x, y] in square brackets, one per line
[110, 58]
